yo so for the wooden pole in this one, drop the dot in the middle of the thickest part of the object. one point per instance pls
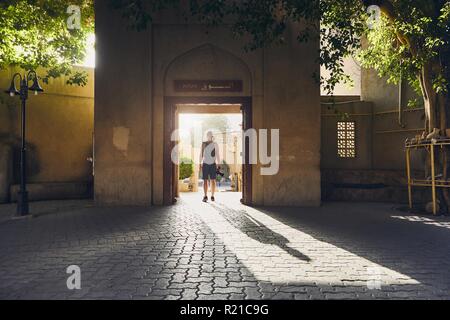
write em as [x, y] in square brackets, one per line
[408, 173]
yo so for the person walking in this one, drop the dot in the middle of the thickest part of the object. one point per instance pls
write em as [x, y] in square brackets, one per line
[209, 164]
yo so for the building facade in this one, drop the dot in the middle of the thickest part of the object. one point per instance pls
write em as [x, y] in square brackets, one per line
[142, 79]
[135, 89]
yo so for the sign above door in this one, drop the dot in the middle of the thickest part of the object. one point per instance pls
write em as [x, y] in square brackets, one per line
[208, 85]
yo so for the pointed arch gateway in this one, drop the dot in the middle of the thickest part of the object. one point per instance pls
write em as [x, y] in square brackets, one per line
[206, 75]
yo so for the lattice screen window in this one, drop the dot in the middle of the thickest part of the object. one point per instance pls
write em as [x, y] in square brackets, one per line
[346, 146]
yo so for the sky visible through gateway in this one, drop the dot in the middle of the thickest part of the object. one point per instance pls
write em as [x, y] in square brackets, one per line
[188, 121]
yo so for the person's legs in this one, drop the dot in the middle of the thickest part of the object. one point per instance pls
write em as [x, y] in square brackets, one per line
[209, 175]
[205, 182]
[213, 176]
[205, 187]
[213, 187]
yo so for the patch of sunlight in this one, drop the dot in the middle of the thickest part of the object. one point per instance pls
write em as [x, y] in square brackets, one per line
[424, 220]
[89, 59]
[275, 252]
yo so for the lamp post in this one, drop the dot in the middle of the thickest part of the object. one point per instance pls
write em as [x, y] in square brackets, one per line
[22, 198]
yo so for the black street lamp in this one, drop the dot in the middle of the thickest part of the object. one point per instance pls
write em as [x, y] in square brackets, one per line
[22, 198]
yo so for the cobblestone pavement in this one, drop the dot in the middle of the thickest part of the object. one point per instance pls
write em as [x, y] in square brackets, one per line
[224, 250]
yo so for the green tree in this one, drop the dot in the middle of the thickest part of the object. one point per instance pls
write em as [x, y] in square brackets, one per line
[216, 123]
[412, 42]
[35, 33]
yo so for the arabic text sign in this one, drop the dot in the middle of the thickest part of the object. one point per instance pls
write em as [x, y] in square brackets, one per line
[208, 85]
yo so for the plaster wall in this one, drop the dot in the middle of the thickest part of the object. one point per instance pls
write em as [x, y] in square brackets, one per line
[123, 122]
[292, 104]
[389, 134]
[361, 113]
[58, 131]
[378, 171]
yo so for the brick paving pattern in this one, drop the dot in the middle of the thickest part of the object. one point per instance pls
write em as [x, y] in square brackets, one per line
[224, 250]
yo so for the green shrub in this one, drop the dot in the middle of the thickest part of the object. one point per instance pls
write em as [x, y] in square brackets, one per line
[186, 168]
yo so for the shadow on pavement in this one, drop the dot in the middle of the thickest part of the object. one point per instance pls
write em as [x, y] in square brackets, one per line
[257, 230]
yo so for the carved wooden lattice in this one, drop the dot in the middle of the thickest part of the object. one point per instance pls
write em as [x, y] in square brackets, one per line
[346, 146]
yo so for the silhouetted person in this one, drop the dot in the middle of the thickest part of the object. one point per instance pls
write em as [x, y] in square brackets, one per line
[209, 164]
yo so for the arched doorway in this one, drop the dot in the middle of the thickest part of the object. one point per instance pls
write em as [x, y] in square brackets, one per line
[205, 75]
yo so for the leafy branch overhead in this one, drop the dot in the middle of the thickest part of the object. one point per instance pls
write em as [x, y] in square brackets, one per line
[34, 33]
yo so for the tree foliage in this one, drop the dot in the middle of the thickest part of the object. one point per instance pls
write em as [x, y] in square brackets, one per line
[411, 41]
[215, 122]
[34, 33]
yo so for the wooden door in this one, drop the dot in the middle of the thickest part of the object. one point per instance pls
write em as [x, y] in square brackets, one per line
[169, 167]
[170, 188]
[246, 167]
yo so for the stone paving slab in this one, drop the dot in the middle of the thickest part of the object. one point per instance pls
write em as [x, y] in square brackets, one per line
[224, 250]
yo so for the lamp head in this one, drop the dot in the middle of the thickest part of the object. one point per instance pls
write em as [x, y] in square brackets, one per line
[12, 91]
[36, 86]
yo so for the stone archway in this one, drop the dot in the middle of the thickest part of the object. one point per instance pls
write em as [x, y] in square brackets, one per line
[204, 64]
